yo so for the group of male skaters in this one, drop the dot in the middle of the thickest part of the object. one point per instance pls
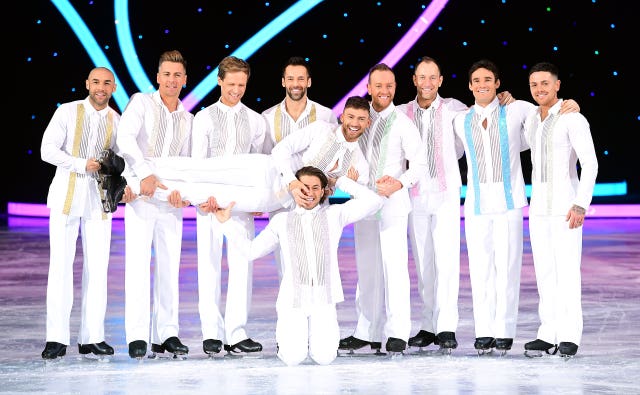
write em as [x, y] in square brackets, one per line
[398, 163]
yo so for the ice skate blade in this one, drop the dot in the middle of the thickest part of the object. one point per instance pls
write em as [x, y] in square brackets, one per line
[174, 357]
[243, 355]
[53, 362]
[352, 354]
[566, 357]
[97, 358]
[488, 351]
[533, 353]
[395, 355]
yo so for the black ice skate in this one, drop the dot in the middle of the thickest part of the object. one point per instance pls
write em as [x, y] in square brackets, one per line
[172, 345]
[447, 342]
[535, 348]
[484, 345]
[395, 346]
[211, 346]
[110, 179]
[102, 349]
[352, 343]
[503, 345]
[138, 349]
[247, 348]
[53, 350]
[567, 349]
[423, 339]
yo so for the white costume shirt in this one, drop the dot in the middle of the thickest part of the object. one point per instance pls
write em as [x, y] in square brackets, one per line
[60, 139]
[557, 143]
[310, 271]
[443, 148]
[141, 137]
[495, 183]
[281, 124]
[322, 145]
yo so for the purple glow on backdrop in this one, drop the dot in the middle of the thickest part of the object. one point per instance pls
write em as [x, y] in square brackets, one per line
[408, 40]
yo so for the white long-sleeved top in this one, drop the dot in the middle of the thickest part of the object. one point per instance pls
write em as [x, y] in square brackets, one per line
[140, 135]
[320, 144]
[281, 124]
[308, 242]
[495, 183]
[220, 130]
[435, 125]
[390, 141]
[557, 143]
[61, 138]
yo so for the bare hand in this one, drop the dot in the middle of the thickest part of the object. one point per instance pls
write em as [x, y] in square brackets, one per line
[575, 217]
[175, 199]
[387, 185]
[92, 165]
[505, 98]
[299, 191]
[128, 195]
[568, 106]
[223, 214]
[353, 174]
[210, 206]
[149, 184]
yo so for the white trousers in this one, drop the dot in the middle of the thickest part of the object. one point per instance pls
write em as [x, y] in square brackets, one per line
[312, 332]
[152, 224]
[96, 241]
[494, 245]
[434, 233]
[231, 328]
[383, 300]
[557, 252]
[250, 180]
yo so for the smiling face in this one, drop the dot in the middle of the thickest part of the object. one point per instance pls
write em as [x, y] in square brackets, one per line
[101, 84]
[382, 88]
[232, 87]
[427, 80]
[484, 86]
[354, 122]
[316, 191]
[171, 77]
[544, 88]
[295, 81]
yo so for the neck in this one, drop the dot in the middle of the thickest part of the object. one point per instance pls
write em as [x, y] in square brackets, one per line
[170, 102]
[425, 103]
[295, 107]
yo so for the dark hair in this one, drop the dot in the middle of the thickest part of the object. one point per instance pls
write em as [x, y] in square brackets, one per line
[314, 172]
[357, 102]
[173, 57]
[545, 66]
[297, 61]
[427, 59]
[485, 64]
[232, 64]
[380, 67]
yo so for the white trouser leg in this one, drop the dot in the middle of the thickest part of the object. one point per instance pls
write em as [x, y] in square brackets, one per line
[324, 334]
[63, 235]
[209, 250]
[167, 243]
[139, 220]
[239, 287]
[96, 242]
[292, 336]
[370, 298]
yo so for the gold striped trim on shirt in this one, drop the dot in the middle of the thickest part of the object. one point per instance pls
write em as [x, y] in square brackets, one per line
[77, 138]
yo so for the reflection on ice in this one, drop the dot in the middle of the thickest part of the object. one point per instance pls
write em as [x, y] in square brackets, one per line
[608, 361]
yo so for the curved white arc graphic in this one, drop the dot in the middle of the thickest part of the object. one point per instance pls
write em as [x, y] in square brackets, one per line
[400, 49]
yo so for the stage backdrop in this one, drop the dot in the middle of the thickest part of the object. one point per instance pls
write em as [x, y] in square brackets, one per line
[56, 43]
